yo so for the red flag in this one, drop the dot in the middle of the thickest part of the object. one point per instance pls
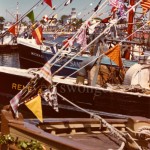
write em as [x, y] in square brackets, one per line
[48, 2]
[12, 30]
[37, 35]
[66, 41]
[106, 20]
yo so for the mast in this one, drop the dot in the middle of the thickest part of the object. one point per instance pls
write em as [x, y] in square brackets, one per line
[21, 18]
[17, 18]
[130, 27]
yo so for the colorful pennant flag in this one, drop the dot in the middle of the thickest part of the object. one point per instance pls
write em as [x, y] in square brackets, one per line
[81, 39]
[96, 8]
[55, 16]
[45, 72]
[53, 19]
[48, 2]
[45, 18]
[36, 107]
[106, 20]
[145, 5]
[12, 29]
[115, 55]
[30, 15]
[14, 102]
[113, 3]
[37, 34]
[67, 42]
[50, 96]
[68, 2]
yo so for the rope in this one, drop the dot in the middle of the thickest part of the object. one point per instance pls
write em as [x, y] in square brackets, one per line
[94, 39]
[115, 132]
[25, 14]
[111, 128]
[103, 54]
[76, 34]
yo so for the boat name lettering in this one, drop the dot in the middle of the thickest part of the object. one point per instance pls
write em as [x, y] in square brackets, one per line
[16, 86]
[74, 64]
[19, 87]
[35, 54]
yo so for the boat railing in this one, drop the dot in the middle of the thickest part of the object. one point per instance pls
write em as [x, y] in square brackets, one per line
[65, 133]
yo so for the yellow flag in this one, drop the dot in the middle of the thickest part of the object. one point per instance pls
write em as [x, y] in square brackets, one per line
[115, 55]
[55, 16]
[35, 106]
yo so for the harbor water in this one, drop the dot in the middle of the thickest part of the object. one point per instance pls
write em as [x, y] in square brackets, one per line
[10, 59]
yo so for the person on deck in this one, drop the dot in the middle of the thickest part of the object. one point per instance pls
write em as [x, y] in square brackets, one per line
[89, 63]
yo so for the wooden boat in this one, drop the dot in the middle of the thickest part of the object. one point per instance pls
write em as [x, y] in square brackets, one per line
[74, 133]
[96, 99]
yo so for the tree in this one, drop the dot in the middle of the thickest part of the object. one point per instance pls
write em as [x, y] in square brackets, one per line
[63, 17]
[77, 23]
[2, 19]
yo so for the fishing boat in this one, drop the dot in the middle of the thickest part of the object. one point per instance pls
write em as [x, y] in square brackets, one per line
[118, 99]
[36, 55]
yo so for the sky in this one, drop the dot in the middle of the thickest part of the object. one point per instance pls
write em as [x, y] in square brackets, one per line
[9, 7]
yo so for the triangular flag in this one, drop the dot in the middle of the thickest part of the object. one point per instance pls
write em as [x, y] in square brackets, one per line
[45, 72]
[37, 35]
[48, 2]
[35, 106]
[115, 55]
[15, 101]
[96, 8]
[68, 2]
[12, 29]
[30, 15]
[55, 16]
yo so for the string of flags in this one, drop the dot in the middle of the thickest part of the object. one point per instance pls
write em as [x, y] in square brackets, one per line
[68, 2]
[48, 2]
[50, 95]
[145, 5]
[34, 102]
[37, 35]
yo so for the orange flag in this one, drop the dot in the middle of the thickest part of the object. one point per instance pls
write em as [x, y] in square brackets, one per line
[115, 55]
[37, 34]
[145, 5]
[12, 30]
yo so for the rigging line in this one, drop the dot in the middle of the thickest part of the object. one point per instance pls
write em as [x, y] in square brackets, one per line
[116, 131]
[135, 31]
[85, 11]
[108, 28]
[41, 12]
[102, 54]
[120, 135]
[80, 18]
[25, 14]
[75, 35]
[51, 60]
[58, 8]
[67, 24]
[94, 8]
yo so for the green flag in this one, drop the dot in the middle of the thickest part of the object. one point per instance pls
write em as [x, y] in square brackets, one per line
[30, 15]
